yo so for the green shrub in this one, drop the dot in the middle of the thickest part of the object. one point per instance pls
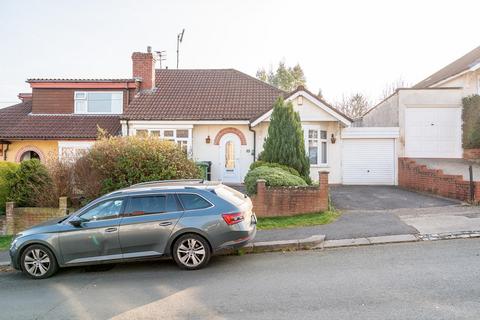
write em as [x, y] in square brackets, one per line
[117, 162]
[274, 177]
[260, 163]
[30, 184]
[471, 122]
[285, 143]
[6, 168]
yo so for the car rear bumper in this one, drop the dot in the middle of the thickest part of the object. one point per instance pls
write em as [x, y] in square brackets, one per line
[241, 237]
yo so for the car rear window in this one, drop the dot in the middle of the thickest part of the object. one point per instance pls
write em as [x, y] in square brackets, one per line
[192, 201]
[152, 204]
[231, 195]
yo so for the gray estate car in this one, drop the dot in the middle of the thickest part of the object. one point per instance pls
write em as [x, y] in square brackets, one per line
[188, 220]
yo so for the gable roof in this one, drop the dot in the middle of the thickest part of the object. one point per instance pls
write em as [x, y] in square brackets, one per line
[17, 122]
[334, 112]
[460, 65]
[208, 94]
[315, 97]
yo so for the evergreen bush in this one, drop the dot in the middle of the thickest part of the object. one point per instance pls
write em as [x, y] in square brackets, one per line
[274, 177]
[471, 122]
[285, 143]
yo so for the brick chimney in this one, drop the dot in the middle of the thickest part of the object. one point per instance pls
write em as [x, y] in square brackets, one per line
[25, 96]
[144, 67]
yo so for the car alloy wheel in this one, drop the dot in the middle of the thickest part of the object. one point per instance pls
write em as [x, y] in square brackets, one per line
[38, 262]
[191, 252]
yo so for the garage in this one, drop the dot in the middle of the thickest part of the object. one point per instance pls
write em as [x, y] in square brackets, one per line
[433, 132]
[369, 156]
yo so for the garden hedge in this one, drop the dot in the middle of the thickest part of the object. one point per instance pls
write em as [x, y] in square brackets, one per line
[274, 177]
[471, 122]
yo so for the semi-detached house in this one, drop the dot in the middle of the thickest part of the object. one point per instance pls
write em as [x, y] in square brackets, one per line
[216, 115]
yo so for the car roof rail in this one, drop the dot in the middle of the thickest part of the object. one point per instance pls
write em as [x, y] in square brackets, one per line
[167, 181]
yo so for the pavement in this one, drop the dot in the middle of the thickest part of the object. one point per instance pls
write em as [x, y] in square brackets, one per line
[421, 280]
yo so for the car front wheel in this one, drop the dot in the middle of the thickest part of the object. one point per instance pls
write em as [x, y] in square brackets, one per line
[38, 262]
[191, 252]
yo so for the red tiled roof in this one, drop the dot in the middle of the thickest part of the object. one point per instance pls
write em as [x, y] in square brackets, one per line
[16, 122]
[211, 94]
[78, 80]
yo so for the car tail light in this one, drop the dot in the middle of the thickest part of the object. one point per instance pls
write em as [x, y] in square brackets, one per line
[233, 218]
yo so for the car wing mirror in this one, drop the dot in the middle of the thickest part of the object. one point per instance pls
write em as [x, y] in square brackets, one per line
[76, 222]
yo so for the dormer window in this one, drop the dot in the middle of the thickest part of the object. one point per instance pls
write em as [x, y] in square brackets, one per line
[98, 102]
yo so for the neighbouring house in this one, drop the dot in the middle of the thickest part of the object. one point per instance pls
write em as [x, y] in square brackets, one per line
[429, 117]
[429, 114]
[215, 115]
[62, 117]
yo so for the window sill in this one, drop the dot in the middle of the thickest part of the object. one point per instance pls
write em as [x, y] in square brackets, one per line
[325, 165]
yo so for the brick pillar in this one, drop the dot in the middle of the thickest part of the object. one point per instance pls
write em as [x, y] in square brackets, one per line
[260, 197]
[63, 205]
[10, 218]
[324, 190]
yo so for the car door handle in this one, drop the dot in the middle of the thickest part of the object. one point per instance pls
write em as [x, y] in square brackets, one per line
[164, 224]
[111, 229]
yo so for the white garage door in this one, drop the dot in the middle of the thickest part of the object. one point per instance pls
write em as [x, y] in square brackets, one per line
[368, 161]
[433, 133]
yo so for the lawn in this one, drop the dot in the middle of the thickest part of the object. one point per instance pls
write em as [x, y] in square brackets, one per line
[303, 220]
[5, 242]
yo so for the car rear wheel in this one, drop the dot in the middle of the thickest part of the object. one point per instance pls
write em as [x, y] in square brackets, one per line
[191, 252]
[38, 262]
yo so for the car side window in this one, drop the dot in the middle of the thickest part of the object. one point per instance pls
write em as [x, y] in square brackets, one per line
[109, 209]
[192, 201]
[151, 204]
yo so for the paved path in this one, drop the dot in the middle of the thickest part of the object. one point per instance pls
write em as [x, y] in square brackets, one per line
[452, 166]
[425, 280]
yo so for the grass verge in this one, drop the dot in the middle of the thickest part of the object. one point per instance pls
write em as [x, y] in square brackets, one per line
[302, 220]
[5, 242]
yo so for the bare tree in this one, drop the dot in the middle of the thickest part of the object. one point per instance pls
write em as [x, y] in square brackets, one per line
[393, 86]
[354, 105]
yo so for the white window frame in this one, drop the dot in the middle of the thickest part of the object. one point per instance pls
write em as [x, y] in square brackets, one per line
[173, 138]
[85, 99]
[77, 145]
[320, 141]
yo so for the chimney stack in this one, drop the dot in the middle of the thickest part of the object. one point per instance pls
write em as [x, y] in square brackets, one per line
[25, 96]
[144, 67]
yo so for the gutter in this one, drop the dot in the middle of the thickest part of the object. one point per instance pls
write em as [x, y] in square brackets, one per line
[254, 141]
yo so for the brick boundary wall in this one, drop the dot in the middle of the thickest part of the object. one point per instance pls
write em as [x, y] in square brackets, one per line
[18, 219]
[471, 154]
[288, 201]
[414, 176]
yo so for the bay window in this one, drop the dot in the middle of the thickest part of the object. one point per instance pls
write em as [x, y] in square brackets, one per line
[316, 146]
[98, 102]
[181, 137]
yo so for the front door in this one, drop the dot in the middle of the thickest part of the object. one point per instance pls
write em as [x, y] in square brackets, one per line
[230, 158]
[97, 238]
[147, 224]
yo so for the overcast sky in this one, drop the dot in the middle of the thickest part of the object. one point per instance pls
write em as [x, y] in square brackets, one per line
[343, 46]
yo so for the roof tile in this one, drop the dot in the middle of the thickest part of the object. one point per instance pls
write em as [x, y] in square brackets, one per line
[16, 122]
[210, 94]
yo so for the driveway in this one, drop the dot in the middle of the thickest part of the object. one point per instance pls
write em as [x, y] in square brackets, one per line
[382, 198]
